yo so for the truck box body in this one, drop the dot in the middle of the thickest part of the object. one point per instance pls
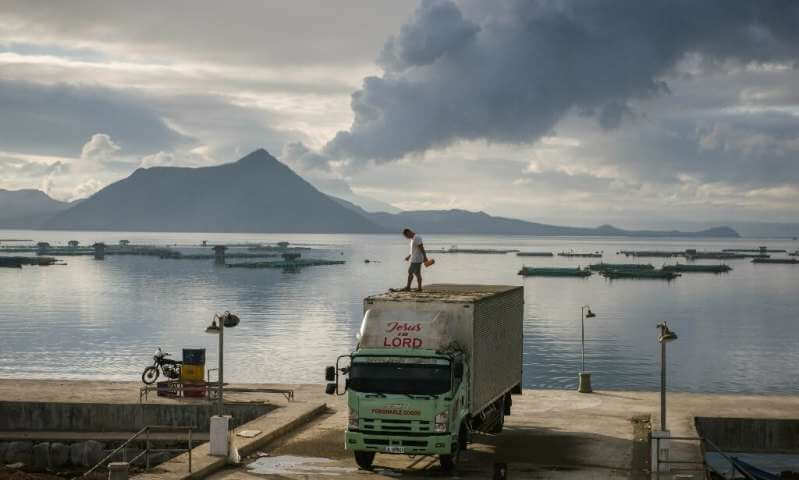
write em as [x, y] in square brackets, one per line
[483, 321]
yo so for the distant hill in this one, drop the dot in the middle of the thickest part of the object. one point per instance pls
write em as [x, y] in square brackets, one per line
[254, 194]
[27, 208]
[480, 223]
[260, 194]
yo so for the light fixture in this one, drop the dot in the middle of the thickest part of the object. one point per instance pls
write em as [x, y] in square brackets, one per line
[666, 335]
[213, 328]
[584, 378]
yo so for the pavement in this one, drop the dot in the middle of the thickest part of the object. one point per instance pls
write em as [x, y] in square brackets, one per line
[553, 434]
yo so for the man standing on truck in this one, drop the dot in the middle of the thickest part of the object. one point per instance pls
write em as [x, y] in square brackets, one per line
[416, 256]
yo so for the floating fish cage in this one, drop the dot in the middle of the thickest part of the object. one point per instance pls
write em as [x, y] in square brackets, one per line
[640, 274]
[790, 261]
[604, 267]
[554, 272]
[681, 268]
[580, 255]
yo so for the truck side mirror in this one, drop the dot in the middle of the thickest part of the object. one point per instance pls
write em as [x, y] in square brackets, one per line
[458, 370]
[330, 388]
[330, 373]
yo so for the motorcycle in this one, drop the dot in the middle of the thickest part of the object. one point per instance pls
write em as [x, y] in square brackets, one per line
[170, 368]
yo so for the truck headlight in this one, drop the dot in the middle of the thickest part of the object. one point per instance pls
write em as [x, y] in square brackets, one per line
[442, 421]
[352, 424]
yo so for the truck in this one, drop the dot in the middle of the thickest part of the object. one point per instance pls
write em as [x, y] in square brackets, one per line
[430, 369]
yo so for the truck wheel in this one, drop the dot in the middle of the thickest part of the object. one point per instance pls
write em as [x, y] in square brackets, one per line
[500, 423]
[449, 462]
[364, 459]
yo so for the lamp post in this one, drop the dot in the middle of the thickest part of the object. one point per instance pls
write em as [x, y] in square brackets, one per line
[584, 378]
[228, 320]
[664, 336]
[219, 329]
[219, 431]
[661, 439]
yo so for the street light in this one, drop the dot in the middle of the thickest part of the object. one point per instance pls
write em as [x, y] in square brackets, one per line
[228, 320]
[219, 441]
[584, 385]
[664, 336]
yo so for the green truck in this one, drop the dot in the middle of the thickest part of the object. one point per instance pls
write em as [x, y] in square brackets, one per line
[429, 369]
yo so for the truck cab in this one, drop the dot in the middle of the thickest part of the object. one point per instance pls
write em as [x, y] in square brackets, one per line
[409, 381]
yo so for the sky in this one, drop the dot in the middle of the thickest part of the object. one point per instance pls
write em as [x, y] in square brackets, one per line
[638, 114]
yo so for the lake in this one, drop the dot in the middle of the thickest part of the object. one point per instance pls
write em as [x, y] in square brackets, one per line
[738, 332]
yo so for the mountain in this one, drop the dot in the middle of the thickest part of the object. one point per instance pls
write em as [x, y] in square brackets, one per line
[367, 204]
[260, 194]
[254, 194]
[480, 223]
[27, 208]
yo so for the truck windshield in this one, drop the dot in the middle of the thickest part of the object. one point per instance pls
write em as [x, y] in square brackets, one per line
[400, 375]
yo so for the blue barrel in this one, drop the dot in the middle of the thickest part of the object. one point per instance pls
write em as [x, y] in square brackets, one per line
[194, 356]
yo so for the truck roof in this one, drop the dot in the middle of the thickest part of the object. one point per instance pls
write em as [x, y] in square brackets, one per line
[446, 292]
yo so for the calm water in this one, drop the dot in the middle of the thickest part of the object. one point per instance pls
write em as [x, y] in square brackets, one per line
[103, 319]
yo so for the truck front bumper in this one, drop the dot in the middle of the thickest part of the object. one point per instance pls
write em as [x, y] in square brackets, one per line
[427, 444]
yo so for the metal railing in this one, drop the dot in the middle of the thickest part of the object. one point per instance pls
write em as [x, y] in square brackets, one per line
[148, 449]
[655, 468]
[703, 441]
[716, 449]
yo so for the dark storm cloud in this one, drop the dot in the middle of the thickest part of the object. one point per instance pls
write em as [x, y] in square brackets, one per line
[436, 29]
[60, 119]
[508, 71]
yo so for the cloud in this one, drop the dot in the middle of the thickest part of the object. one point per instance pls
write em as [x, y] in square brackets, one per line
[160, 159]
[303, 159]
[57, 119]
[252, 33]
[509, 71]
[86, 189]
[435, 29]
[99, 148]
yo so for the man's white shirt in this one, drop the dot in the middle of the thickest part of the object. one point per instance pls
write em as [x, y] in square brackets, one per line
[416, 252]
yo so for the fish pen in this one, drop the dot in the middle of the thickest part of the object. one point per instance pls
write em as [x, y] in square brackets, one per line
[651, 253]
[682, 268]
[478, 251]
[18, 262]
[580, 255]
[291, 261]
[554, 272]
[535, 254]
[175, 255]
[604, 267]
[640, 274]
[789, 261]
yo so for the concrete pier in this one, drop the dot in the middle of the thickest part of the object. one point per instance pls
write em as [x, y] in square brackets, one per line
[550, 433]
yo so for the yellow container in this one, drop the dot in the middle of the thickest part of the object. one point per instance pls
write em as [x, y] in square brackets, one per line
[192, 373]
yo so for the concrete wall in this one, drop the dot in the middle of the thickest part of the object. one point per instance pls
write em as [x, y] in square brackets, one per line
[750, 434]
[99, 417]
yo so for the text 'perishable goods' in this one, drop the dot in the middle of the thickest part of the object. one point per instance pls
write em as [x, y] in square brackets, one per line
[399, 335]
[396, 411]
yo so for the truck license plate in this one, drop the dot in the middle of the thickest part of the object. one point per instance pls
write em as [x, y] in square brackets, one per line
[391, 449]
